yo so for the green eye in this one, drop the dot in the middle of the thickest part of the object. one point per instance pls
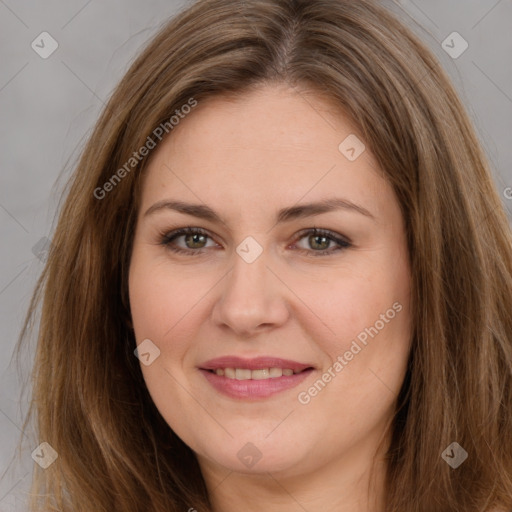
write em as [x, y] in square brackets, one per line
[321, 237]
[195, 240]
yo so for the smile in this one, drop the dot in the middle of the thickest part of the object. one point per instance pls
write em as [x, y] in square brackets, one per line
[247, 374]
[253, 379]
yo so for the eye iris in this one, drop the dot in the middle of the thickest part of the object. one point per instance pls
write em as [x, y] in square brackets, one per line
[319, 242]
[195, 237]
[316, 237]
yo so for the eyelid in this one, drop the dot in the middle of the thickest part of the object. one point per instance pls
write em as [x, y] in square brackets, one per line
[342, 241]
[325, 232]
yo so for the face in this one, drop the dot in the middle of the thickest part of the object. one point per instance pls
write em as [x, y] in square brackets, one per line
[280, 348]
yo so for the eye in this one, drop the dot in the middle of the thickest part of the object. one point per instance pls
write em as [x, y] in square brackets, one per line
[322, 238]
[194, 237]
[195, 240]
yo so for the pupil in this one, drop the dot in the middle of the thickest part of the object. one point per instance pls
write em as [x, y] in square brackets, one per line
[317, 237]
[195, 238]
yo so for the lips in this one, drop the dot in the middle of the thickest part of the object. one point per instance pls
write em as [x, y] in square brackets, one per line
[258, 363]
[253, 379]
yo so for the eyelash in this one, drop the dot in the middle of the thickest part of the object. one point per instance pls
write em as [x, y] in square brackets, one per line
[167, 238]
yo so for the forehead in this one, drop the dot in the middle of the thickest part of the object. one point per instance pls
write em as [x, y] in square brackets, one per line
[266, 119]
[271, 145]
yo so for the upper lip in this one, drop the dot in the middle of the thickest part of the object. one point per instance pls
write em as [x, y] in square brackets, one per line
[256, 363]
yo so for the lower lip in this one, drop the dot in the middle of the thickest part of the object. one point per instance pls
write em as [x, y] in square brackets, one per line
[254, 389]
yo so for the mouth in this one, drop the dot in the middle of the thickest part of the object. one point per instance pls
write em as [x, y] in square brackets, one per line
[260, 374]
[253, 379]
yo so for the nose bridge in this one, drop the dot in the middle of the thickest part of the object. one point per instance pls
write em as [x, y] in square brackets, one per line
[247, 277]
[250, 295]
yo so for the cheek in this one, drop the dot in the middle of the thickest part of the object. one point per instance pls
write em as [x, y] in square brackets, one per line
[345, 307]
[367, 357]
[374, 334]
[150, 305]
[158, 297]
[161, 305]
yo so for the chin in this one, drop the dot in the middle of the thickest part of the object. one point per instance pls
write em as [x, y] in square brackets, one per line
[251, 453]
[259, 465]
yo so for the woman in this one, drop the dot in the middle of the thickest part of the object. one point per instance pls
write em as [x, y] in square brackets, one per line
[341, 336]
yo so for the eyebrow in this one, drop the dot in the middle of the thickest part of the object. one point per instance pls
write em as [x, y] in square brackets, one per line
[288, 214]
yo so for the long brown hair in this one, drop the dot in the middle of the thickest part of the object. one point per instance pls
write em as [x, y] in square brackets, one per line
[115, 451]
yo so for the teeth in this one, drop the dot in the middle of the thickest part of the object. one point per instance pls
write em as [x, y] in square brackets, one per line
[242, 374]
[229, 373]
[276, 372]
[261, 374]
[264, 373]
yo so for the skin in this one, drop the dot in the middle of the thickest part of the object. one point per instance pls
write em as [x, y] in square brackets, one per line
[246, 158]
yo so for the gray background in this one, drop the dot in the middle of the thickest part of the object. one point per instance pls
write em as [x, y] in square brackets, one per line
[49, 106]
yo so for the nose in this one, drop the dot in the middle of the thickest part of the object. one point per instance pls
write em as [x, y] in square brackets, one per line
[252, 298]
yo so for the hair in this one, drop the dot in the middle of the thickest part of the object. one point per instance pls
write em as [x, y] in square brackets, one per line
[115, 451]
